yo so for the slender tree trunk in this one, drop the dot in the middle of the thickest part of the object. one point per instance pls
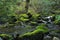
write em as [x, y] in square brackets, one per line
[27, 5]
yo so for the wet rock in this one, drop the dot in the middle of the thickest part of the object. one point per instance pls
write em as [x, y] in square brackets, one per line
[54, 33]
[5, 38]
[56, 38]
[47, 37]
[17, 37]
[0, 38]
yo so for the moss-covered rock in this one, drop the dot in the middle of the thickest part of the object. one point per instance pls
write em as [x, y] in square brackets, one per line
[6, 36]
[37, 34]
[33, 36]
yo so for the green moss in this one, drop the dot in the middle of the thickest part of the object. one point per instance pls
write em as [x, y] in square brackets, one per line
[33, 22]
[33, 33]
[41, 26]
[57, 31]
[38, 29]
[23, 15]
[57, 17]
[23, 19]
[6, 35]
[56, 21]
[11, 25]
[28, 27]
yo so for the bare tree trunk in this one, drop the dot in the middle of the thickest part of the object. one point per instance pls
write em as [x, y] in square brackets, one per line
[27, 5]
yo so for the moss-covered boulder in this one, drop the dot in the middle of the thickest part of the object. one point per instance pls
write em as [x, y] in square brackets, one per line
[37, 34]
[32, 36]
